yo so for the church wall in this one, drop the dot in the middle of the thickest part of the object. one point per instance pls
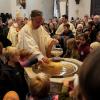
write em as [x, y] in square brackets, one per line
[5, 6]
[84, 7]
[62, 7]
[79, 10]
[72, 8]
[10, 6]
[46, 6]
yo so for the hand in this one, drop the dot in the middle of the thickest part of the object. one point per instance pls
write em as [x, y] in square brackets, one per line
[44, 60]
[55, 41]
[57, 37]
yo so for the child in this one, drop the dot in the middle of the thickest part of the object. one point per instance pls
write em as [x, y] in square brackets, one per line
[79, 29]
[11, 95]
[94, 46]
[40, 87]
[83, 47]
[13, 74]
[67, 34]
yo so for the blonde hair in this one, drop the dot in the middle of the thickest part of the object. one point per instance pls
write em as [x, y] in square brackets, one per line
[94, 46]
[80, 25]
[10, 51]
[40, 85]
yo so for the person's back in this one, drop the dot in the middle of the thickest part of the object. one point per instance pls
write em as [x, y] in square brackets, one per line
[12, 78]
[96, 29]
[89, 80]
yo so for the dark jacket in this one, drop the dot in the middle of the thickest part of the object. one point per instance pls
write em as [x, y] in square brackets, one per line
[94, 32]
[12, 78]
[69, 34]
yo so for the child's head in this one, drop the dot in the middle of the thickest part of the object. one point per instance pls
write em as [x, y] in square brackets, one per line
[79, 27]
[11, 95]
[94, 46]
[83, 39]
[40, 85]
[66, 27]
[11, 54]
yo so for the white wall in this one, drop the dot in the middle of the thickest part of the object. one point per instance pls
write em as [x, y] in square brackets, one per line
[47, 7]
[5, 6]
[13, 7]
[44, 5]
[79, 10]
[62, 7]
[71, 8]
[85, 6]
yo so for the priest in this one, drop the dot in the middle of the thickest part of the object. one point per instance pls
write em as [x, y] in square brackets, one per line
[35, 39]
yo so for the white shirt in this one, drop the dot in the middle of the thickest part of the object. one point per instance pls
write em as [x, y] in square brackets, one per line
[35, 41]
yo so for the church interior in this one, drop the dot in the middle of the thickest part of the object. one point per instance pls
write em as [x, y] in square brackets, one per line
[49, 49]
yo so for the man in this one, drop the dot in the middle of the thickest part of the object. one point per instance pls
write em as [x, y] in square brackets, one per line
[60, 29]
[35, 39]
[96, 20]
[14, 29]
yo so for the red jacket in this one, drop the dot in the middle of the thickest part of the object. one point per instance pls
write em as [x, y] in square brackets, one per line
[83, 51]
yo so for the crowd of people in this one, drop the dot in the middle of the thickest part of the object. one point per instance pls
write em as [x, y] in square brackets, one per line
[24, 42]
